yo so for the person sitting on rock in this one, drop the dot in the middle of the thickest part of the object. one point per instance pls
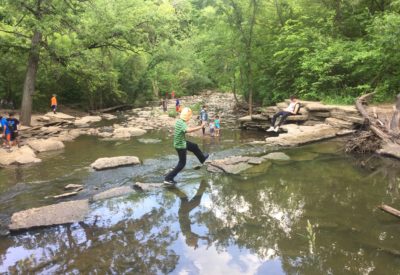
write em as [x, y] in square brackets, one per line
[292, 109]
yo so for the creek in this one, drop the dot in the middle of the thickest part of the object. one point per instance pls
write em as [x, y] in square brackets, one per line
[314, 214]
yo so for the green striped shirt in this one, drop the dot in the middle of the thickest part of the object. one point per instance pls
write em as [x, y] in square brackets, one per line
[179, 135]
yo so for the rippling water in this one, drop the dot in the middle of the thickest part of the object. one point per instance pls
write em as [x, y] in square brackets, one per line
[314, 214]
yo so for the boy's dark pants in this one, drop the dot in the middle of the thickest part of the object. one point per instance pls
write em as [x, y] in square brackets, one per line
[284, 115]
[191, 147]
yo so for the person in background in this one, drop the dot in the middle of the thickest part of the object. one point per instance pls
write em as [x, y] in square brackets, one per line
[164, 103]
[292, 109]
[12, 132]
[182, 145]
[212, 128]
[3, 125]
[173, 94]
[177, 105]
[204, 117]
[217, 124]
[54, 103]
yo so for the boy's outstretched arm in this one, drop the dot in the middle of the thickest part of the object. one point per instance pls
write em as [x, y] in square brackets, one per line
[193, 129]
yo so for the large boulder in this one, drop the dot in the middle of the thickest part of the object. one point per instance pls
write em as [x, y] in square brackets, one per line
[23, 155]
[44, 145]
[86, 121]
[107, 163]
[60, 213]
[114, 192]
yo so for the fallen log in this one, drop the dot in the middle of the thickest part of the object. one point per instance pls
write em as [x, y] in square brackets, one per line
[112, 109]
[390, 210]
[373, 123]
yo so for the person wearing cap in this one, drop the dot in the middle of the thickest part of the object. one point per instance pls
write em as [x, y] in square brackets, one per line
[182, 145]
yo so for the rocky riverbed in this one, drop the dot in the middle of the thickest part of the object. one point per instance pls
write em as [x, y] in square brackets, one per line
[50, 131]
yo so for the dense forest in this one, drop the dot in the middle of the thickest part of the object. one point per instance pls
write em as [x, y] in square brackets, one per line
[98, 53]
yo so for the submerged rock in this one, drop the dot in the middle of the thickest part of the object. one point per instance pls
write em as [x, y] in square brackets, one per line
[23, 155]
[149, 140]
[60, 213]
[106, 163]
[276, 156]
[148, 186]
[44, 145]
[114, 192]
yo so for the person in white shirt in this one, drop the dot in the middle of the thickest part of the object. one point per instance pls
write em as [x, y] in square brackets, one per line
[292, 109]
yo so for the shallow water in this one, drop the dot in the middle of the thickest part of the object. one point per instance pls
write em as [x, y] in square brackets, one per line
[314, 214]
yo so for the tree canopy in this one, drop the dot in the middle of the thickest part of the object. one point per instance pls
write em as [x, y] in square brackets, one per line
[98, 53]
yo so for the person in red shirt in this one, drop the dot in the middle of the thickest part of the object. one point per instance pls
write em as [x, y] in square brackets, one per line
[173, 94]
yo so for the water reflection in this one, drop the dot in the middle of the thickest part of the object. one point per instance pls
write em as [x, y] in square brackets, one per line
[186, 206]
[256, 223]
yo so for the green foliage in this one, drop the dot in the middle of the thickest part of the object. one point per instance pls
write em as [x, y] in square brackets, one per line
[100, 53]
[172, 113]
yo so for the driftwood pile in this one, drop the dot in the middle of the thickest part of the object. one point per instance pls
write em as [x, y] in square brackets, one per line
[381, 131]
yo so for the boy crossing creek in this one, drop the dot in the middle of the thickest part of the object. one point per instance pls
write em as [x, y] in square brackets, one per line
[182, 145]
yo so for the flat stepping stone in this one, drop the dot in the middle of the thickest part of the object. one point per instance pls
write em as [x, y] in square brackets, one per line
[114, 192]
[107, 163]
[55, 214]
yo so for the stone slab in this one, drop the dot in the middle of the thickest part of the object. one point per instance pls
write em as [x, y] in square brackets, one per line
[113, 162]
[60, 213]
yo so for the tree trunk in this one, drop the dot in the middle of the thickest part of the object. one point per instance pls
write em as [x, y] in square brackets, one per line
[30, 78]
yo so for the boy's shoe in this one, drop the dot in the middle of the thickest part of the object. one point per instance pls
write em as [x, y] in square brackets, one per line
[170, 182]
[206, 156]
[270, 129]
[276, 129]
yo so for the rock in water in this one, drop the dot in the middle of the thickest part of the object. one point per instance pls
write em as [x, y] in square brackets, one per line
[86, 121]
[107, 163]
[44, 145]
[114, 192]
[60, 213]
